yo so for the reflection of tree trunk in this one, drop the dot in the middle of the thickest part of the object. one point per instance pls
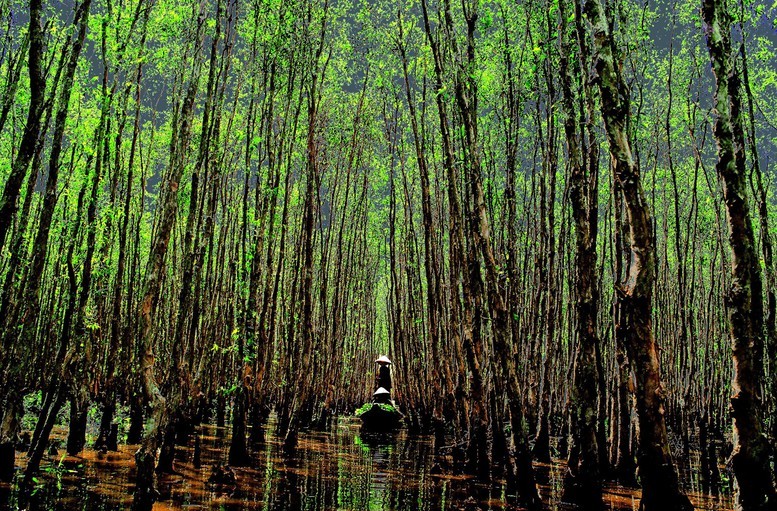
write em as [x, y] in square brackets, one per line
[709, 474]
[9, 426]
[750, 459]
[238, 447]
[660, 486]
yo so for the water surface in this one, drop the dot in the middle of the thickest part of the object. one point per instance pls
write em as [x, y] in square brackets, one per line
[342, 469]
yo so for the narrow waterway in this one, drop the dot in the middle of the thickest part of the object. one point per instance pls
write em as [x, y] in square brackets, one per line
[342, 469]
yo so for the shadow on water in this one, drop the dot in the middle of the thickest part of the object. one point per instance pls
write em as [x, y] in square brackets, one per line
[339, 469]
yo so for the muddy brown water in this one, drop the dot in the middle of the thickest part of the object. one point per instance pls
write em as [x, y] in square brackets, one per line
[341, 469]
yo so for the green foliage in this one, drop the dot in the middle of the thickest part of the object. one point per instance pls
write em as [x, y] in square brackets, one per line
[366, 407]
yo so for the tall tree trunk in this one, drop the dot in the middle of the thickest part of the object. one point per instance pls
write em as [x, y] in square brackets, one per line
[145, 457]
[767, 244]
[750, 458]
[475, 409]
[432, 272]
[31, 303]
[625, 468]
[521, 471]
[308, 338]
[660, 485]
[8, 201]
[584, 476]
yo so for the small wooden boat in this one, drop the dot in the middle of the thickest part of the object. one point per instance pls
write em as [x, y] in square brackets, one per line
[379, 417]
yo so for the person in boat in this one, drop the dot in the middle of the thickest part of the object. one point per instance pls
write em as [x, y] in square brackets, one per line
[383, 377]
[381, 396]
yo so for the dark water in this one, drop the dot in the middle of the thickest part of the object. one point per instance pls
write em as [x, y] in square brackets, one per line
[340, 469]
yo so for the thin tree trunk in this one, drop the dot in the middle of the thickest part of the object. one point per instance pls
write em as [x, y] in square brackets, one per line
[8, 201]
[145, 458]
[584, 475]
[28, 318]
[521, 469]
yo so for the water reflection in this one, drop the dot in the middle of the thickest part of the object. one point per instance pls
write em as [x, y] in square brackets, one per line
[337, 470]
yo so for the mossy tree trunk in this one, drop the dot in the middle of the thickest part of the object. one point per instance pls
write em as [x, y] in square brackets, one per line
[750, 459]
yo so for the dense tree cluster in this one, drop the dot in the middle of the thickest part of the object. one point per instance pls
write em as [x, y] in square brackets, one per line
[555, 219]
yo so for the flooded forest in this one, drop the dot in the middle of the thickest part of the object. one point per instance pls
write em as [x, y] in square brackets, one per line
[412, 255]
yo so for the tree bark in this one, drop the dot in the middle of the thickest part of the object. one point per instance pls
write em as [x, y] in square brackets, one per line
[521, 471]
[660, 485]
[754, 483]
[145, 458]
[30, 307]
[583, 483]
[8, 201]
